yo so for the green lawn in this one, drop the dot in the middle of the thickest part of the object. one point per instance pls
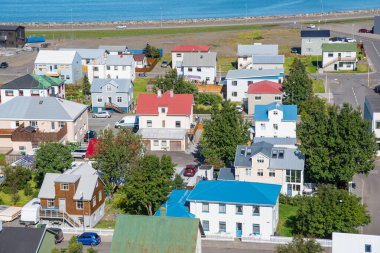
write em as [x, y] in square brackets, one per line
[106, 224]
[287, 214]
[139, 87]
[311, 63]
[226, 63]
[318, 86]
[139, 32]
[7, 199]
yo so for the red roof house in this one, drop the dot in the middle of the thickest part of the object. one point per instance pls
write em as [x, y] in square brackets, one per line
[265, 87]
[191, 48]
[263, 93]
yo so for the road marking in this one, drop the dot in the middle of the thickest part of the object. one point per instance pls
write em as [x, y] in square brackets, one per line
[377, 51]
[356, 99]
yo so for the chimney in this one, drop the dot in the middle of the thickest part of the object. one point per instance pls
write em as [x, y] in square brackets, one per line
[171, 93]
[163, 211]
[159, 93]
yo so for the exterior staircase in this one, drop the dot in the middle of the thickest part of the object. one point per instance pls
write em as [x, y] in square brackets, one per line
[56, 215]
[245, 65]
[340, 59]
[113, 107]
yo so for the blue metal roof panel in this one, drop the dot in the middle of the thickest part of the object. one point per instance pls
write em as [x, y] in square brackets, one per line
[289, 111]
[175, 205]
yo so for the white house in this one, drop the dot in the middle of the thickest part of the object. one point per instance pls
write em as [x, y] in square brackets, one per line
[178, 51]
[114, 50]
[238, 209]
[32, 85]
[113, 67]
[238, 81]
[66, 65]
[198, 66]
[355, 243]
[88, 55]
[164, 120]
[264, 162]
[141, 60]
[312, 41]
[260, 62]
[372, 114]
[247, 53]
[276, 120]
[339, 56]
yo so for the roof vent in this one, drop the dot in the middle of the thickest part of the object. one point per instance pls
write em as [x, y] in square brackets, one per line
[41, 102]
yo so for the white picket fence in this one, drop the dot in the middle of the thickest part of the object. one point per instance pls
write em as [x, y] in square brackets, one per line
[78, 231]
[283, 240]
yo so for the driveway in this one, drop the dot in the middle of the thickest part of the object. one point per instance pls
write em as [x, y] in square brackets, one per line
[99, 124]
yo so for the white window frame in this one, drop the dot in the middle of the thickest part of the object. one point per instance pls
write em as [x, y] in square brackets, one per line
[50, 203]
[64, 187]
[205, 207]
[80, 205]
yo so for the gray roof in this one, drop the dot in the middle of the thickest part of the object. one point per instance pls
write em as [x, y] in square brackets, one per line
[10, 239]
[268, 59]
[162, 133]
[315, 33]
[113, 48]
[122, 85]
[199, 59]
[253, 73]
[257, 49]
[10, 27]
[276, 141]
[374, 101]
[244, 153]
[293, 159]
[226, 174]
[87, 182]
[41, 108]
[86, 53]
[119, 60]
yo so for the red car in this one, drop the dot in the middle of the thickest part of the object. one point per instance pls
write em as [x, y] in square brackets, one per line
[190, 170]
[363, 30]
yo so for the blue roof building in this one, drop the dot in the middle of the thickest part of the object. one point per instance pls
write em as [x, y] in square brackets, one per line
[176, 205]
[262, 112]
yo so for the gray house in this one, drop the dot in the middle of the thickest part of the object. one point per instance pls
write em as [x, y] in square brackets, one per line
[376, 27]
[312, 41]
[112, 94]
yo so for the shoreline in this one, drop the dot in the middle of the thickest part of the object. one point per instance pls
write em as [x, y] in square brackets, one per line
[99, 25]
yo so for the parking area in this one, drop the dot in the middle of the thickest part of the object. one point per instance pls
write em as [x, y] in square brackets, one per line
[99, 124]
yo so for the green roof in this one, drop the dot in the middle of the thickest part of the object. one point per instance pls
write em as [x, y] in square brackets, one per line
[339, 47]
[46, 81]
[158, 234]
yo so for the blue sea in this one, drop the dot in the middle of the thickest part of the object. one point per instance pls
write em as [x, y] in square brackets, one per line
[120, 10]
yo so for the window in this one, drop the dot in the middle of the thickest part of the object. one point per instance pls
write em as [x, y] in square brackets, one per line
[52, 125]
[124, 68]
[206, 225]
[67, 77]
[17, 123]
[80, 205]
[190, 69]
[275, 126]
[179, 55]
[377, 124]
[33, 123]
[119, 100]
[64, 187]
[93, 201]
[249, 152]
[222, 226]
[164, 144]
[222, 208]
[100, 99]
[277, 98]
[178, 124]
[248, 171]
[163, 109]
[149, 123]
[256, 229]
[281, 154]
[245, 58]
[199, 69]
[205, 207]
[331, 55]
[163, 123]
[234, 83]
[61, 124]
[260, 159]
[108, 67]
[100, 196]
[275, 112]
[239, 209]
[50, 203]
[234, 94]
[368, 248]
[97, 68]
[156, 143]
[256, 211]
[109, 88]
[116, 68]
[260, 172]
[257, 98]
[272, 173]
[293, 176]
[9, 93]
[262, 125]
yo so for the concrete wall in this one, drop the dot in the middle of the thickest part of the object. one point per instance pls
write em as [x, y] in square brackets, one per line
[354, 243]
[312, 46]
[265, 99]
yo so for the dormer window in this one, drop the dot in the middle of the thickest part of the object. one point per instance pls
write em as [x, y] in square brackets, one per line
[242, 152]
[163, 109]
[275, 112]
[249, 152]
[281, 154]
[109, 88]
[274, 153]
[260, 159]
[64, 187]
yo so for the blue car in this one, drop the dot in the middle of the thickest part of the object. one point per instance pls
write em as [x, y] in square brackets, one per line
[89, 238]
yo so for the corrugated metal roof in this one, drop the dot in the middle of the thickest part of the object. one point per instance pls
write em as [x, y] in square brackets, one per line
[87, 53]
[10, 27]
[235, 192]
[289, 111]
[32, 81]
[119, 60]
[122, 85]
[31, 237]
[199, 59]
[64, 178]
[41, 108]
[268, 59]
[244, 153]
[162, 133]
[339, 47]
[176, 205]
[315, 33]
[55, 57]
[293, 160]
[47, 190]
[257, 49]
[150, 234]
[253, 73]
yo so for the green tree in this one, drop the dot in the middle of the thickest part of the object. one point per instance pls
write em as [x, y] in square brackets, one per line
[300, 245]
[336, 141]
[51, 157]
[147, 186]
[17, 177]
[208, 99]
[86, 86]
[116, 155]
[330, 210]
[297, 86]
[223, 133]
[171, 81]
[178, 182]
[151, 51]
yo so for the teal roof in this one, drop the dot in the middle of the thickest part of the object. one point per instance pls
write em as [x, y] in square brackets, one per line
[46, 81]
[176, 205]
[289, 111]
[339, 47]
[150, 234]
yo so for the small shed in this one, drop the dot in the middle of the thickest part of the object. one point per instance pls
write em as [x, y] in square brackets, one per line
[206, 172]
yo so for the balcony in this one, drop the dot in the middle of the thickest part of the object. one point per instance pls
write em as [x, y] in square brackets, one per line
[31, 134]
[53, 73]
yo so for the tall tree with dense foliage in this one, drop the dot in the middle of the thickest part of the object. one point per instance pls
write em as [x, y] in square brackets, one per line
[330, 210]
[52, 157]
[297, 86]
[86, 86]
[147, 186]
[223, 133]
[17, 177]
[336, 141]
[115, 156]
[300, 245]
[151, 51]
[171, 81]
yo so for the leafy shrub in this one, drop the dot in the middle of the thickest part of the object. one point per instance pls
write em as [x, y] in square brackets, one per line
[208, 99]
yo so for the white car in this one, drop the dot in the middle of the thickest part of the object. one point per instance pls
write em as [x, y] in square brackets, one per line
[239, 108]
[350, 40]
[121, 27]
[104, 114]
[311, 26]
[79, 153]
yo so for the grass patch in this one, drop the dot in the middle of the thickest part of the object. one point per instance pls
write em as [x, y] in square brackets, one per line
[202, 109]
[361, 68]
[140, 32]
[7, 199]
[287, 213]
[139, 86]
[318, 86]
[251, 35]
[74, 93]
[226, 63]
[106, 224]
[311, 63]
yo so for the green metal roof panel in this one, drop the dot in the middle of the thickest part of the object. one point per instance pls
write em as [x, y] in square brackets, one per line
[339, 47]
[45, 82]
[148, 234]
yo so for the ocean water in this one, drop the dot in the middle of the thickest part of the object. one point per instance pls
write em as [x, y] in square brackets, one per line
[117, 10]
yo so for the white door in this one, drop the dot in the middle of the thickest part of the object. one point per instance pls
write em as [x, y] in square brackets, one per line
[62, 205]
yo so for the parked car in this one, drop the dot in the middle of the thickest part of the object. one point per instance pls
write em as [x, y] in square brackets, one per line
[190, 170]
[121, 27]
[103, 114]
[131, 121]
[58, 234]
[239, 108]
[4, 65]
[363, 30]
[164, 64]
[79, 153]
[89, 135]
[377, 88]
[294, 50]
[311, 26]
[89, 238]
[142, 74]
[350, 40]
